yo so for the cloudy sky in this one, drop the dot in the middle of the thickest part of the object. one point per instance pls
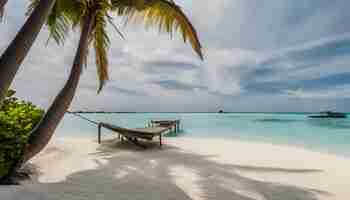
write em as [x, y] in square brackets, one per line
[260, 56]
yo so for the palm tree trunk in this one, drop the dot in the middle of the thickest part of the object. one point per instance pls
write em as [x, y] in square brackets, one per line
[46, 128]
[2, 3]
[14, 55]
[43, 132]
[2, 8]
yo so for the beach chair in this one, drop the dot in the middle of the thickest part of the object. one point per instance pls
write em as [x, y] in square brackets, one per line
[133, 135]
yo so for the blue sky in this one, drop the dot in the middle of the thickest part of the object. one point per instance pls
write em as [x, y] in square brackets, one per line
[260, 56]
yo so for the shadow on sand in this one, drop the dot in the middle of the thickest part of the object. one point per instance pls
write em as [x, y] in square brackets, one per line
[135, 174]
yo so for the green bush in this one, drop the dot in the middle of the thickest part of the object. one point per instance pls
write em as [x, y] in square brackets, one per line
[17, 119]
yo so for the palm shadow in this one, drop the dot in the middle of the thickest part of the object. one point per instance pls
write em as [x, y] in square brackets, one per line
[136, 174]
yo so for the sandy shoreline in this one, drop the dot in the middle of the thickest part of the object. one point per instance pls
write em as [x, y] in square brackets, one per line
[185, 168]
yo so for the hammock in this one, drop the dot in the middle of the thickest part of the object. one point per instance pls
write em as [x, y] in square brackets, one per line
[131, 135]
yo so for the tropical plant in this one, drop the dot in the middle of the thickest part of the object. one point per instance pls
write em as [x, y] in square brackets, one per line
[17, 120]
[164, 14]
[92, 16]
[13, 56]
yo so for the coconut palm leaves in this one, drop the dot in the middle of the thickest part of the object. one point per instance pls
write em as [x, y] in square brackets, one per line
[58, 22]
[68, 14]
[164, 14]
[101, 44]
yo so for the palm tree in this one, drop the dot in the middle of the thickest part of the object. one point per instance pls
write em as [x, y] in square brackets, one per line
[12, 58]
[93, 17]
[2, 8]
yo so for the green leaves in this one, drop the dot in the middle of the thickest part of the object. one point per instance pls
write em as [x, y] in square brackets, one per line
[58, 25]
[67, 13]
[17, 119]
[164, 14]
[10, 93]
[101, 44]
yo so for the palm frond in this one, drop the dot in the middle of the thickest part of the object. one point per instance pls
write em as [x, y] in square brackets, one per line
[62, 16]
[58, 24]
[110, 20]
[73, 10]
[68, 13]
[101, 44]
[165, 14]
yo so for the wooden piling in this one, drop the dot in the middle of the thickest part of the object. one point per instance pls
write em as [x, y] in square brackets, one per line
[99, 133]
[160, 140]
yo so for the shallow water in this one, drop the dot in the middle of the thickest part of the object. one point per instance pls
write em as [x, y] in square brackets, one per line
[325, 135]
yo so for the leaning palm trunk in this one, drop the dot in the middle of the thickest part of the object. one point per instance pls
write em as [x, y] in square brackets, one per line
[2, 8]
[46, 128]
[43, 132]
[14, 55]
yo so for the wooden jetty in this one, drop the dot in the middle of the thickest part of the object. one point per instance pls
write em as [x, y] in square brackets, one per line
[173, 124]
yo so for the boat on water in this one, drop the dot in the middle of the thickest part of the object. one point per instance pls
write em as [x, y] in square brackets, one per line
[329, 114]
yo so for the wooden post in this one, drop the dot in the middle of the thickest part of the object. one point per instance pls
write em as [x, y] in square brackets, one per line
[177, 126]
[99, 133]
[160, 141]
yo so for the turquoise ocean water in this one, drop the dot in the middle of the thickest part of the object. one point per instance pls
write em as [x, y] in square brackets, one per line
[324, 135]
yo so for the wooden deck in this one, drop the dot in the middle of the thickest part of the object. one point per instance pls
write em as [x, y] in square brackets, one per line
[173, 124]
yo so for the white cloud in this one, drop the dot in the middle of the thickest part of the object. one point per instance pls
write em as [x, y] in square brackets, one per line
[238, 37]
[329, 93]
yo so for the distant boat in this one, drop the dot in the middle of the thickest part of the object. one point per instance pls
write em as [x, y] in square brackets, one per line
[329, 114]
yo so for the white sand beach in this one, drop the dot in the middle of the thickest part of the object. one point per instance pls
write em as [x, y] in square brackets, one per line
[185, 168]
